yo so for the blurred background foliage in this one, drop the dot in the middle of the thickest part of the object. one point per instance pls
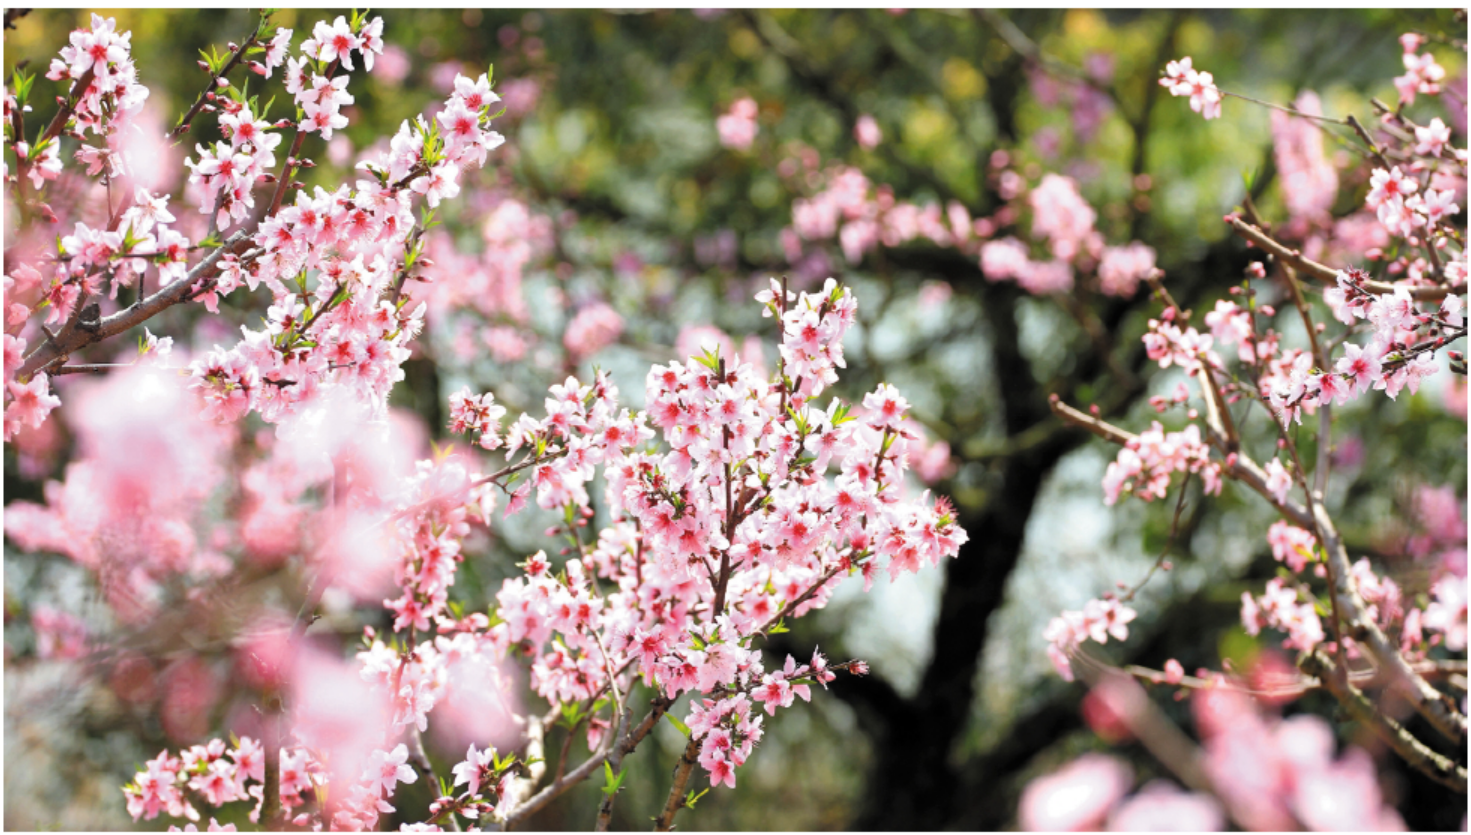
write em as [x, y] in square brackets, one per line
[611, 133]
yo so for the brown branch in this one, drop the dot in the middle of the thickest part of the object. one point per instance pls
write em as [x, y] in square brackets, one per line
[1322, 272]
[1101, 428]
[510, 817]
[72, 339]
[687, 761]
[1438, 768]
[187, 119]
[615, 761]
[68, 107]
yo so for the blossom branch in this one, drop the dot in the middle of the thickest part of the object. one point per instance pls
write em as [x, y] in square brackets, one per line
[186, 120]
[676, 800]
[72, 339]
[1420, 757]
[1321, 272]
[510, 817]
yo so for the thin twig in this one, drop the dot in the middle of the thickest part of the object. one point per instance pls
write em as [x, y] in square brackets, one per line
[1321, 272]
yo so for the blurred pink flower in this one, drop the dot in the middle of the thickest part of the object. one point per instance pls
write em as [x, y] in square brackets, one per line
[594, 328]
[1162, 807]
[737, 126]
[867, 132]
[1075, 798]
[392, 67]
[694, 340]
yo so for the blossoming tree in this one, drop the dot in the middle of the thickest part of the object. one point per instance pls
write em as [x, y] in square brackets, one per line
[716, 535]
[1353, 629]
[294, 582]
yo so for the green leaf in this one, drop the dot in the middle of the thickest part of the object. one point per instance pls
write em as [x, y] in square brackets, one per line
[613, 782]
[778, 628]
[691, 799]
[680, 726]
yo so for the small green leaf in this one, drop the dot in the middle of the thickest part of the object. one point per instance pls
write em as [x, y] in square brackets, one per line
[680, 726]
[611, 786]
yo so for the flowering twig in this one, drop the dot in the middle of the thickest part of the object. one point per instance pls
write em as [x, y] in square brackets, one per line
[1321, 272]
[1420, 757]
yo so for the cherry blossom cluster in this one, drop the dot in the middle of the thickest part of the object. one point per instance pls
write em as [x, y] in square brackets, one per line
[1264, 773]
[353, 329]
[870, 216]
[1182, 79]
[478, 414]
[1099, 619]
[1422, 73]
[1309, 180]
[1393, 198]
[1280, 609]
[1260, 773]
[1292, 545]
[1145, 464]
[106, 105]
[863, 217]
[737, 127]
[713, 544]
[736, 516]
[336, 262]
[215, 775]
[1399, 354]
[89, 257]
[225, 175]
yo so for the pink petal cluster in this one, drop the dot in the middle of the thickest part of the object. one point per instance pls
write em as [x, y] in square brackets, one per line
[1182, 79]
[1422, 73]
[1096, 622]
[737, 127]
[1309, 182]
[1145, 465]
[1282, 774]
[1279, 609]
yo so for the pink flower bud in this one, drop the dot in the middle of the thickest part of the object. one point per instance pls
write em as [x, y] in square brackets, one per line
[1174, 672]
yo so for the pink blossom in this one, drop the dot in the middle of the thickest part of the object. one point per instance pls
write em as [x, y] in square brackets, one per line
[1181, 79]
[1161, 807]
[1123, 268]
[867, 132]
[29, 403]
[1075, 798]
[738, 126]
[593, 328]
